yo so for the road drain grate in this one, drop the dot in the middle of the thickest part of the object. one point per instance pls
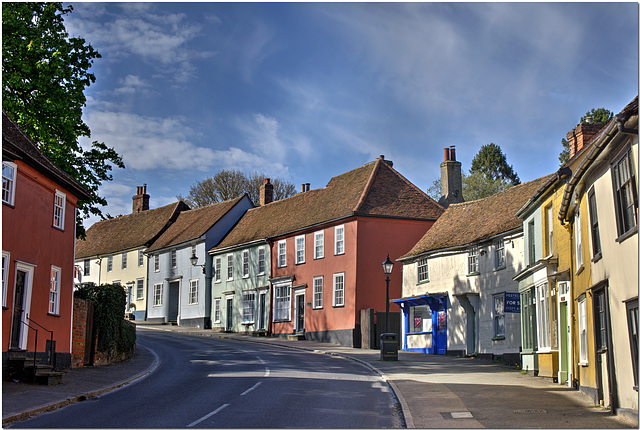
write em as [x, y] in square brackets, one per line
[529, 411]
[456, 415]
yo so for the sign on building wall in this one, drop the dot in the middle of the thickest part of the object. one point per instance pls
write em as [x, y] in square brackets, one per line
[512, 302]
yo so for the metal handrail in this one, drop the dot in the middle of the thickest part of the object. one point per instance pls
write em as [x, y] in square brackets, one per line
[50, 338]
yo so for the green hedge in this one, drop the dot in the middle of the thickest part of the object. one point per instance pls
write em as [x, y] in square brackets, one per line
[114, 333]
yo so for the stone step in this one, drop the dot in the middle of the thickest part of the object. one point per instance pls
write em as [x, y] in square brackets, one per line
[297, 336]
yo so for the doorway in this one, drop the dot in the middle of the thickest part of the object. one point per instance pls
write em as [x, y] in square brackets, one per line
[262, 307]
[229, 320]
[174, 300]
[21, 306]
[299, 310]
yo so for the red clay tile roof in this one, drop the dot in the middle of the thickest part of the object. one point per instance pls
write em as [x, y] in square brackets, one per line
[468, 222]
[127, 231]
[374, 189]
[194, 223]
[16, 145]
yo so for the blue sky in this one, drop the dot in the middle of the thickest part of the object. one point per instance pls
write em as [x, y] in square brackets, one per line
[306, 91]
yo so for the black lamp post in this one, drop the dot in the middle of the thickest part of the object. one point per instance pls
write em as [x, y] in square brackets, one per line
[387, 267]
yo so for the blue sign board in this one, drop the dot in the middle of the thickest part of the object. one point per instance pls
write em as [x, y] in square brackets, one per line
[512, 302]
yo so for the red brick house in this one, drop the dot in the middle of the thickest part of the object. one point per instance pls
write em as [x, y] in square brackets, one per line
[328, 244]
[39, 203]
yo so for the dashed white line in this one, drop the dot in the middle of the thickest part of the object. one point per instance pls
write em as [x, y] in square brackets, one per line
[210, 414]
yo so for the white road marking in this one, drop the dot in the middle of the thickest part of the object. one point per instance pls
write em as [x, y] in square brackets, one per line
[210, 414]
[252, 388]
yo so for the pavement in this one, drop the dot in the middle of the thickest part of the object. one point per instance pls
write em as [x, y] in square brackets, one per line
[433, 391]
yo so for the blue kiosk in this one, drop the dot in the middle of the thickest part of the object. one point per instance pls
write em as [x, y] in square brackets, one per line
[424, 323]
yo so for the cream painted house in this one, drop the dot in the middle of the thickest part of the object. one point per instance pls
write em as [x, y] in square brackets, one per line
[458, 292]
[113, 250]
[601, 203]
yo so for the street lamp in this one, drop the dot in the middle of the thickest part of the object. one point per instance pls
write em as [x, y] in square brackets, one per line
[387, 267]
[194, 261]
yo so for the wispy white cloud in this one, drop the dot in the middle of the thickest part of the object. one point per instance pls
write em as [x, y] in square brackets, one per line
[157, 37]
[133, 85]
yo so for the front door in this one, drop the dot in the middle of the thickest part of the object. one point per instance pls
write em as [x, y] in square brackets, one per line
[229, 324]
[18, 309]
[262, 307]
[441, 332]
[299, 313]
[174, 299]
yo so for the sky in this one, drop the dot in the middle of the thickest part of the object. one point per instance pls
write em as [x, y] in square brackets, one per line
[307, 91]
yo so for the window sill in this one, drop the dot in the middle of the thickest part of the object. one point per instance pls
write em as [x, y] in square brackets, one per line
[580, 269]
[282, 320]
[583, 364]
[597, 257]
[192, 304]
[338, 306]
[53, 315]
[342, 253]
[260, 274]
[498, 338]
[319, 258]
[9, 204]
[58, 228]
[298, 263]
[245, 276]
[627, 235]
[497, 269]
[473, 274]
[426, 281]
[249, 323]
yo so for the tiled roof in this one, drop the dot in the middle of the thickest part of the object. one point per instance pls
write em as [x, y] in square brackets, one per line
[469, 222]
[127, 231]
[374, 189]
[194, 223]
[16, 145]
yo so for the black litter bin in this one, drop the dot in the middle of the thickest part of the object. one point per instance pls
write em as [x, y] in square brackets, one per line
[389, 346]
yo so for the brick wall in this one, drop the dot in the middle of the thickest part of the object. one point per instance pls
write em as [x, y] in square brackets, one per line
[79, 331]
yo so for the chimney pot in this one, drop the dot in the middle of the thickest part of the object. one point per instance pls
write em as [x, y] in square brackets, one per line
[141, 199]
[453, 153]
[302, 189]
[307, 186]
[382, 157]
[446, 154]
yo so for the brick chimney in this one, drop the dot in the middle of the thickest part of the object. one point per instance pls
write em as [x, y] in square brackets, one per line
[305, 187]
[266, 192]
[450, 178]
[389, 162]
[580, 136]
[141, 199]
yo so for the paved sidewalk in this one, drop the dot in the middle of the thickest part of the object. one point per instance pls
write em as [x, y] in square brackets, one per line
[433, 391]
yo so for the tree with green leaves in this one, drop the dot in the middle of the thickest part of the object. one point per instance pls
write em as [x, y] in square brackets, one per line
[489, 174]
[44, 75]
[600, 115]
[229, 184]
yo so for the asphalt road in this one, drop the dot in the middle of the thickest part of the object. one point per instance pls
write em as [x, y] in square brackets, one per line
[204, 382]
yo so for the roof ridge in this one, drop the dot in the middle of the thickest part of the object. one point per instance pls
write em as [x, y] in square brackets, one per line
[367, 187]
[210, 205]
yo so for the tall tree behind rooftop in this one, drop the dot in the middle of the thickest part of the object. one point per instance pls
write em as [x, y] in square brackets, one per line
[44, 75]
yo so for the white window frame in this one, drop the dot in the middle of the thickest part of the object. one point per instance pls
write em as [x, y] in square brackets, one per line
[6, 259]
[543, 316]
[282, 302]
[174, 259]
[550, 230]
[193, 292]
[500, 261]
[338, 290]
[156, 263]
[300, 249]
[318, 245]
[59, 203]
[472, 260]
[339, 240]
[54, 290]
[86, 267]
[217, 314]
[218, 268]
[245, 263]
[318, 287]
[282, 253]
[262, 260]
[110, 263]
[140, 289]
[229, 267]
[9, 183]
[140, 257]
[578, 239]
[423, 269]
[123, 263]
[248, 307]
[582, 332]
[157, 294]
